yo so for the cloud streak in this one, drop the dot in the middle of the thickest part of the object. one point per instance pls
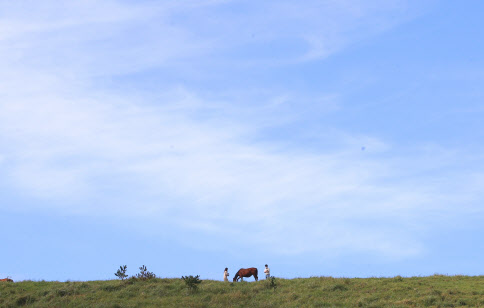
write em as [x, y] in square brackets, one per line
[73, 151]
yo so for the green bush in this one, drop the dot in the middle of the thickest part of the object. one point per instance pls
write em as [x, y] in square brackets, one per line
[144, 274]
[272, 284]
[25, 300]
[192, 282]
[121, 273]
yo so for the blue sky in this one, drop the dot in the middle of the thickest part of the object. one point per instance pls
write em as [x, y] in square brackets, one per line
[338, 138]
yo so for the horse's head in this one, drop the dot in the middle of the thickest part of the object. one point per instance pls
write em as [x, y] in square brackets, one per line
[236, 276]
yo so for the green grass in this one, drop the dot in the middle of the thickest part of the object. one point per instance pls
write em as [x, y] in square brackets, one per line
[433, 291]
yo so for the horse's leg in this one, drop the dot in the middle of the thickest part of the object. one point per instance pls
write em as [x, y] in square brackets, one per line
[241, 278]
[256, 278]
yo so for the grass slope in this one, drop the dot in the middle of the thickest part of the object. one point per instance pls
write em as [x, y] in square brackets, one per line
[433, 291]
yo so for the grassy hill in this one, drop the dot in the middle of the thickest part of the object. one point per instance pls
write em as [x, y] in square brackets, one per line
[433, 291]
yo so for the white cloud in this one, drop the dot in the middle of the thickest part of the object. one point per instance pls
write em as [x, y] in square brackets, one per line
[74, 150]
[113, 37]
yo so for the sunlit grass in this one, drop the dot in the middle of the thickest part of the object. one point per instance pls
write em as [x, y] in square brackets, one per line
[433, 291]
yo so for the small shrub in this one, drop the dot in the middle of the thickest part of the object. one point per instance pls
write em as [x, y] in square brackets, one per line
[84, 286]
[192, 282]
[398, 278]
[121, 273]
[272, 284]
[25, 300]
[337, 287]
[63, 292]
[144, 274]
[430, 301]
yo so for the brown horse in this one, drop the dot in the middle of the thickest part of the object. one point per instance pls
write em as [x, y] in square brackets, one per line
[7, 280]
[246, 272]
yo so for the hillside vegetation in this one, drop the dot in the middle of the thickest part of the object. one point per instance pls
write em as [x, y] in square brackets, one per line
[433, 291]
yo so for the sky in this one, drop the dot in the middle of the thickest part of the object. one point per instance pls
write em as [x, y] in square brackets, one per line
[324, 138]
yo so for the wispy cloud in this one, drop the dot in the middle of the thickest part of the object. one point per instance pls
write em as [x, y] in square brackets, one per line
[75, 150]
[110, 151]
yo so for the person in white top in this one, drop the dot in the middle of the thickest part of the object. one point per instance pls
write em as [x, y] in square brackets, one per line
[226, 274]
[267, 271]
